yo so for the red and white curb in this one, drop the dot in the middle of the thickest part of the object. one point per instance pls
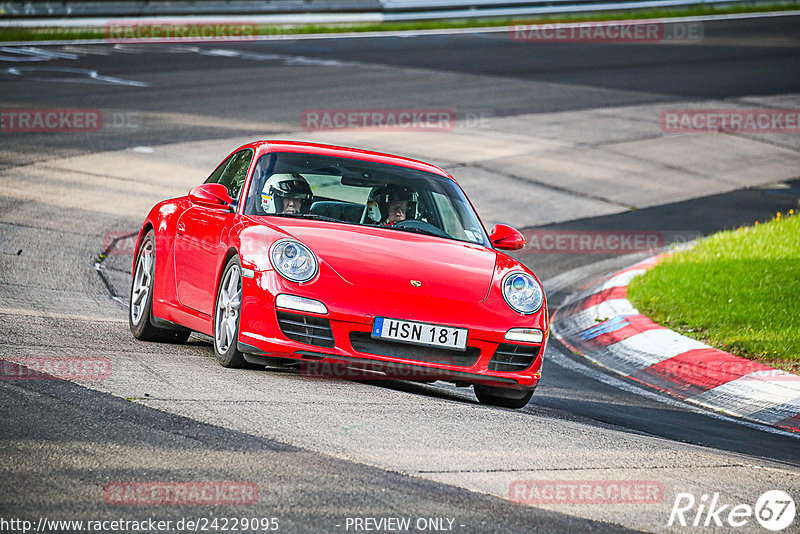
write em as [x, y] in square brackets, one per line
[600, 323]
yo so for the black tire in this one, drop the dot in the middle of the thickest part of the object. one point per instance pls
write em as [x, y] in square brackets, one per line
[503, 397]
[140, 308]
[226, 317]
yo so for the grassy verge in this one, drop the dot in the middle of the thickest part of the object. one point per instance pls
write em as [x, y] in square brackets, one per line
[736, 290]
[59, 34]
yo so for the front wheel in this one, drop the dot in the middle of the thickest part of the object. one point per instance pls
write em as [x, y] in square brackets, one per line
[503, 397]
[226, 316]
[140, 310]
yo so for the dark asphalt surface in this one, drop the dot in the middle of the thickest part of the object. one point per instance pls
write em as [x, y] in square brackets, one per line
[744, 66]
[751, 57]
[305, 491]
[738, 58]
[681, 221]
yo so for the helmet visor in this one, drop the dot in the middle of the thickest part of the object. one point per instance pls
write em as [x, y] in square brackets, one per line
[292, 189]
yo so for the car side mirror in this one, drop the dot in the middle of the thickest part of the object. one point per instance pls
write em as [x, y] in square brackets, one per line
[211, 195]
[507, 238]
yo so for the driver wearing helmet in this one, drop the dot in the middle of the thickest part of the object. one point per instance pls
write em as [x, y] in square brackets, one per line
[391, 204]
[286, 193]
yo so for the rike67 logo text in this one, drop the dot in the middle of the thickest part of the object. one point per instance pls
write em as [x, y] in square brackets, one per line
[774, 510]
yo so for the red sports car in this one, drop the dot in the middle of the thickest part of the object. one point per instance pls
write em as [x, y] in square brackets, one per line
[315, 254]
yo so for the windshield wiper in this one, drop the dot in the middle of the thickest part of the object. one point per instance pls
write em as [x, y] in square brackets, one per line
[416, 230]
[307, 216]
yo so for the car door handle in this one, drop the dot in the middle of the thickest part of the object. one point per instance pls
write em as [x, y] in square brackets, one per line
[181, 228]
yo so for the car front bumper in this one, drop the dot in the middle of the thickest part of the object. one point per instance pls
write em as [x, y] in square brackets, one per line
[332, 344]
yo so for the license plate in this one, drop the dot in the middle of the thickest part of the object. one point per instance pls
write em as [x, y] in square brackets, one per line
[432, 335]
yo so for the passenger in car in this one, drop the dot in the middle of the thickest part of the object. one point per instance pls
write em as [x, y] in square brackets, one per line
[391, 204]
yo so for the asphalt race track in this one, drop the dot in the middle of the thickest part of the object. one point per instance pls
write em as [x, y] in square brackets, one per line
[549, 137]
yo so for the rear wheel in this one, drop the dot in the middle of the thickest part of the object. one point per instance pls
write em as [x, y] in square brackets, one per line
[140, 311]
[503, 397]
[226, 316]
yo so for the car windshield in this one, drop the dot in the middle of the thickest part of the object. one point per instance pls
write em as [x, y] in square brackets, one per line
[362, 192]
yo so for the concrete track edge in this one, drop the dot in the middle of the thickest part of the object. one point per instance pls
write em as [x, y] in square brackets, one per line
[600, 324]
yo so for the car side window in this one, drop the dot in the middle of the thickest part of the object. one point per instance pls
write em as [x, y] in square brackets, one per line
[214, 178]
[235, 173]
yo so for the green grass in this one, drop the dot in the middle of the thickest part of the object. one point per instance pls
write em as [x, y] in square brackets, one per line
[738, 291]
[61, 34]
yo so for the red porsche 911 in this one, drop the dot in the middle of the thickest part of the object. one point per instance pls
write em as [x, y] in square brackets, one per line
[299, 252]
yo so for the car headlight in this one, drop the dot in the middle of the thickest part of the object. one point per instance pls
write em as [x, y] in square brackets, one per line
[522, 292]
[293, 260]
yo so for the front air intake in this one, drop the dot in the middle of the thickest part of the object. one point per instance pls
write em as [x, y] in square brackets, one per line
[509, 358]
[306, 329]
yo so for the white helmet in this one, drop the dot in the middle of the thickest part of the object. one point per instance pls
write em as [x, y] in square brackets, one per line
[280, 187]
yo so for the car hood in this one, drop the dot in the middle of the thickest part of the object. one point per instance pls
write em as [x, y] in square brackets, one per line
[396, 260]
